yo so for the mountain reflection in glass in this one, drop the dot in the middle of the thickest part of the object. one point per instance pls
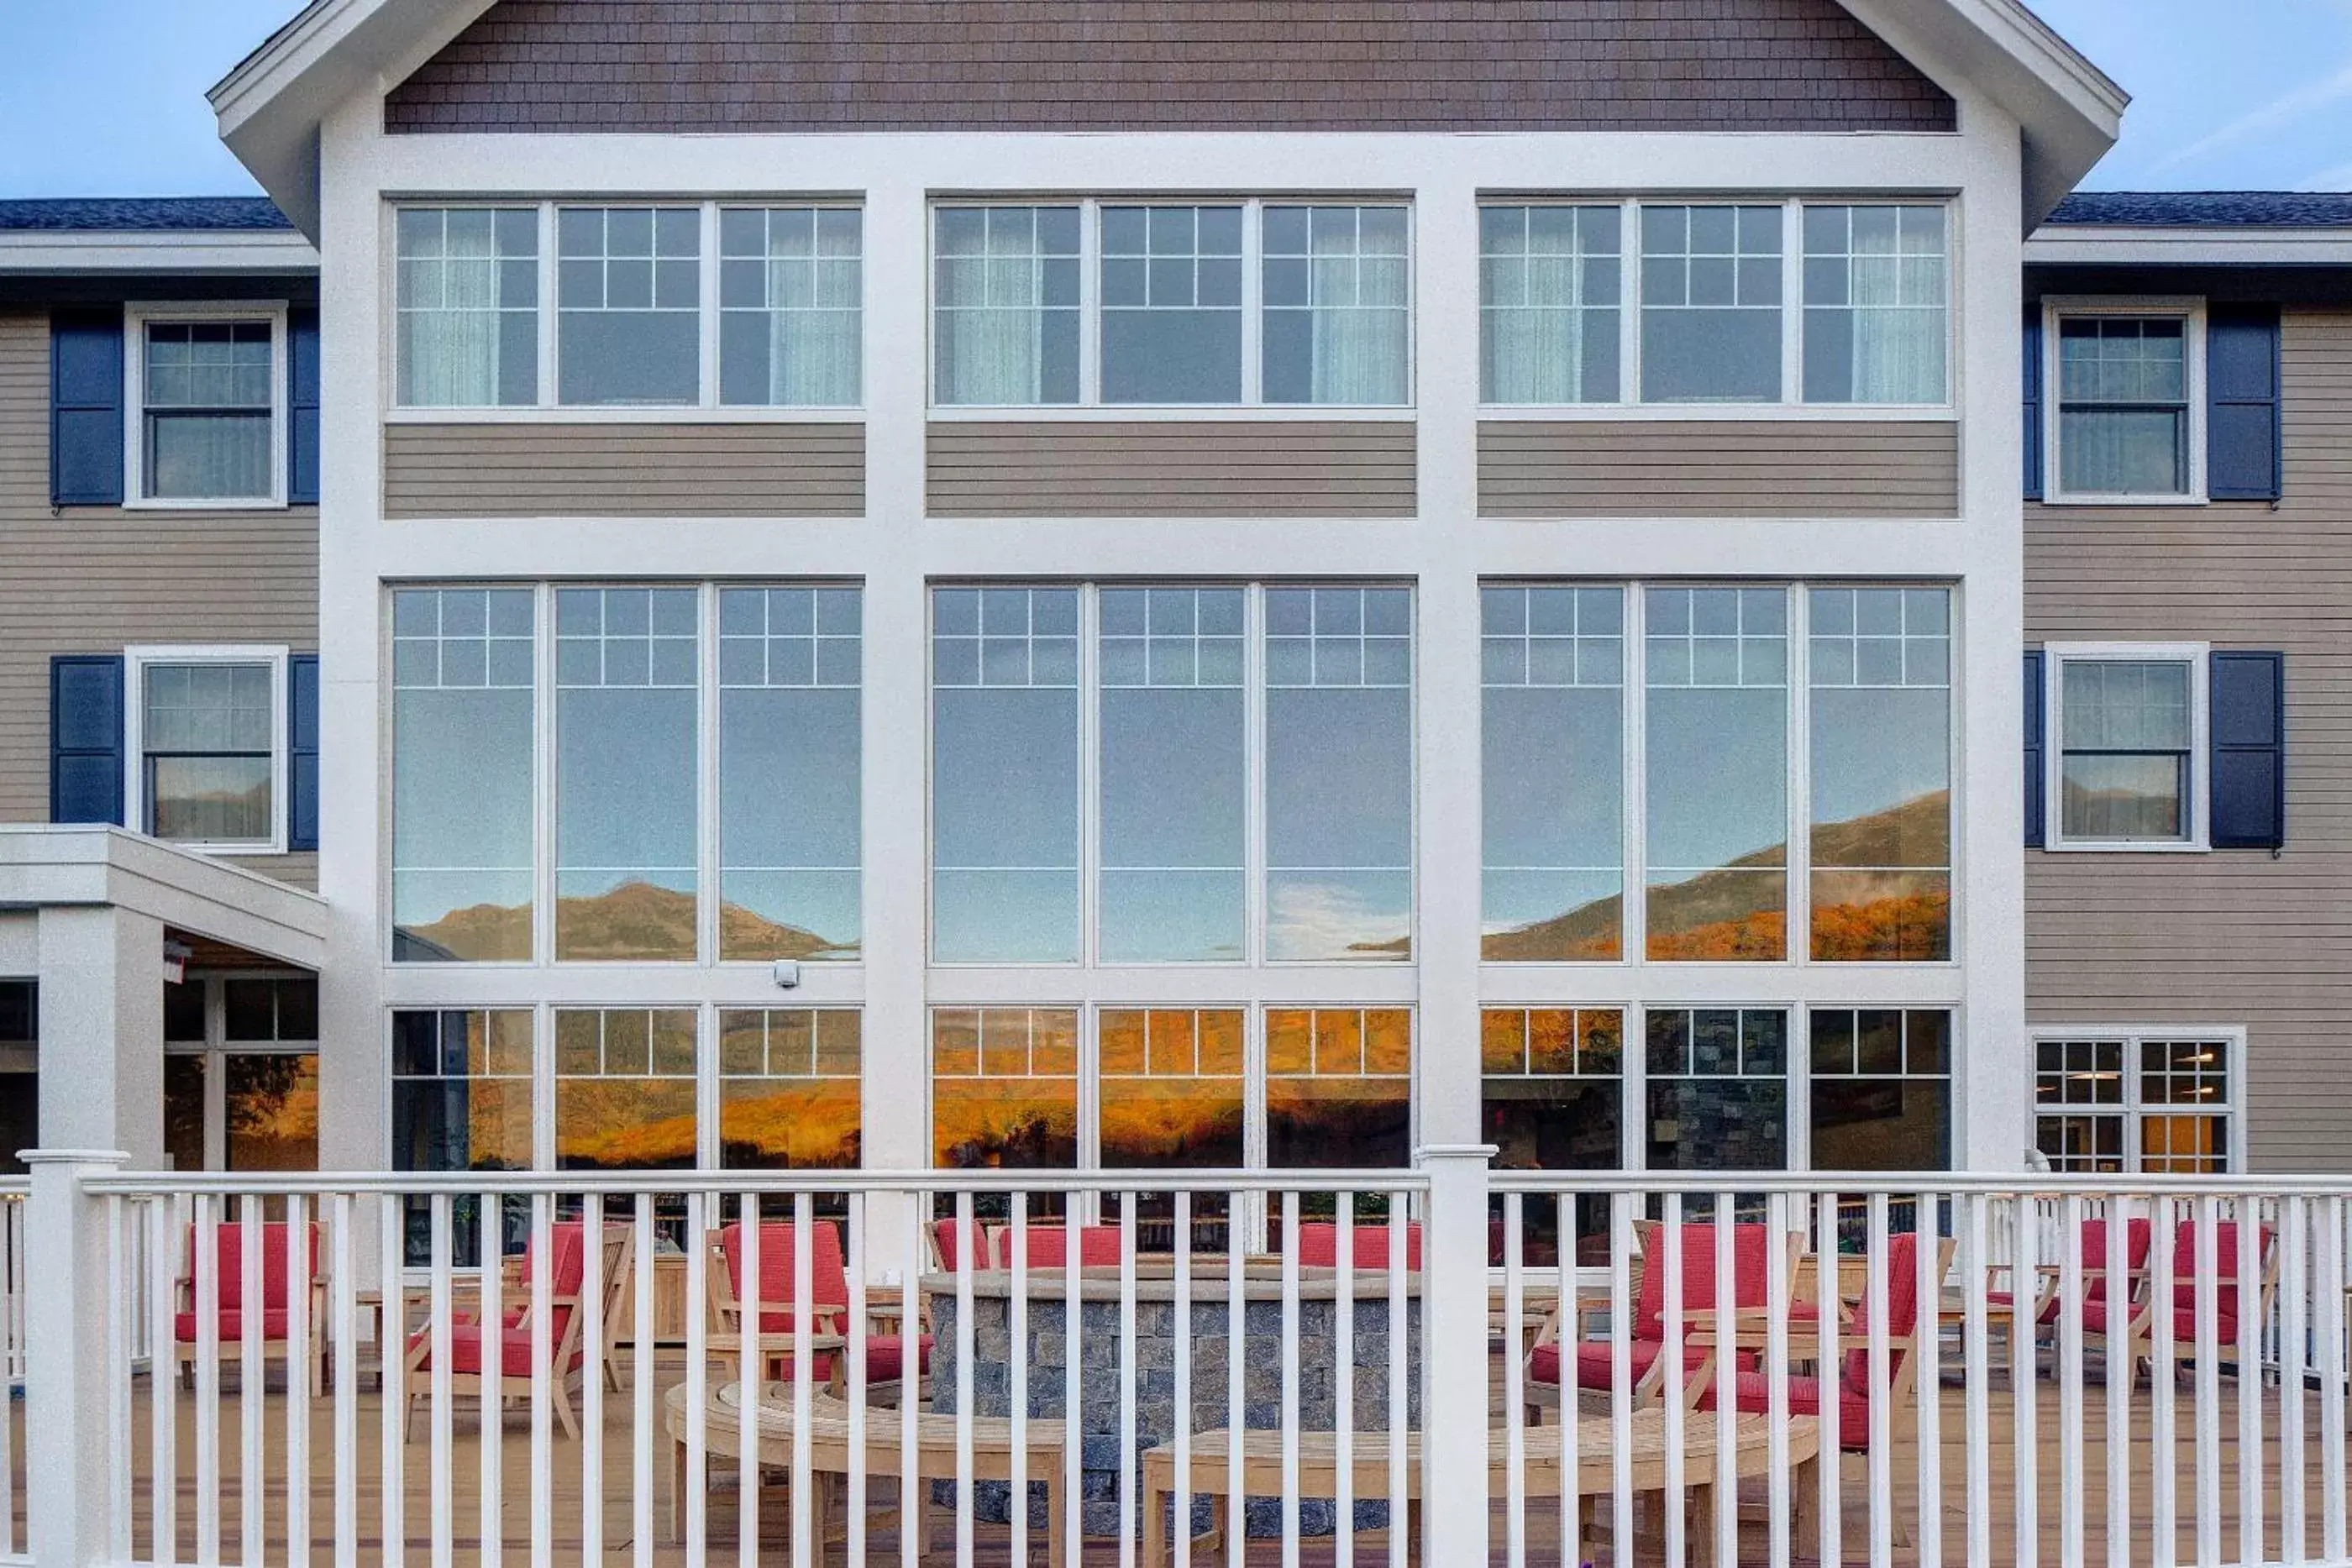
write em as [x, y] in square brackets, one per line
[1175, 776]
[1717, 773]
[1882, 774]
[1338, 1088]
[627, 691]
[1005, 1088]
[1338, 773]
[463, 667]
[625, 1089]
[1169, 1088]
[1004, 775]
[789, 1095]
[1554, 788]
[788, 772]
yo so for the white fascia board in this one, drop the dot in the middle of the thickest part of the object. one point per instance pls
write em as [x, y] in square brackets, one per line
[53, 867]
[96, 252]
[2150, 246]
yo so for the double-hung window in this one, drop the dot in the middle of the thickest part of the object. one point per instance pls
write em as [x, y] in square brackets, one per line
[2127, 418]
[468, 306]
[628, 297]
[208, 752]
[1215, 304]
[2128, 765]
[208, 388]
[2157, 1101]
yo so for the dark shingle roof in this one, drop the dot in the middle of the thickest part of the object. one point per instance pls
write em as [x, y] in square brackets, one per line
[2205, 209]
[146, 214]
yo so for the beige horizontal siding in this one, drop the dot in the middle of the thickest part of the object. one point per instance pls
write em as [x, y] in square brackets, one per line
[1172, 469]
[2233, 937]
[94, 579]
[752, 469]
[1718, 469]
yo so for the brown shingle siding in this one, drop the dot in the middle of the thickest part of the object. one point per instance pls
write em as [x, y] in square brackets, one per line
[1126, 65]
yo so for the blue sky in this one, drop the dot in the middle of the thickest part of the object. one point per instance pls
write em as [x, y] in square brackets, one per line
[106, 96]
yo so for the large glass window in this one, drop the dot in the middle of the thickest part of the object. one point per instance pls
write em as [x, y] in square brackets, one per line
[789, 811]
[1876, 305]
[1881, 773]
[1004, 298]
[2156, 1104]
[1338, 1088]
[209, 397]
[1554, 778]
[1719, 1089]
[468, 306]
[1169, 1088]
[1548, 301]
[1711, 304]
[628, 300]
[210, 748]
[1005, 1088]
[2130, 727]
[1552, 1098]
[241, 1074]
[1338, 305]
[461, 1090]
[1338, 773]
[790, 297]
[1004, 775]
[20, 1081]
[464, 667]
[1716, 769]
[1174, 775]
[789, 1088]
[628, 681]
[2124, 420]
[625, 1089]
[1881, 1089]
[1172, 303]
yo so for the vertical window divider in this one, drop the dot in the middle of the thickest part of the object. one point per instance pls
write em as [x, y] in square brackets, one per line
[549, 303]
[707, 1148]
[1799, 1066]
[1252, 303]
[1634, 906]
[1089, 305]
[1801, 776]
[543, 815]
[1633, 1124]
[707, 316]
[1090, 1086]
[543, 1085]
[1089, 729]
[1793, 302]
[1254, 719]
[1629, 303]
[216, 1072]
[707, 849]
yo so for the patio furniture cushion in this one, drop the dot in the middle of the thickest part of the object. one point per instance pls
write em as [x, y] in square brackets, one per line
[231, 1325]
[2138, 1237]
[228, 1272]
[1049, 1245]
[1595, 1368]
[466, 1349]
[828, 1273]
[1318, 1245]
[943, 1235]
[885, 1357]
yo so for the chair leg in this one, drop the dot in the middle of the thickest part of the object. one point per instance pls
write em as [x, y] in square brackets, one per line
[561, 1394]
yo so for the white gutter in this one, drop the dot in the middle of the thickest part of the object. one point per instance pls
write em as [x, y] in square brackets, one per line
[98, 252]
[2145, 244]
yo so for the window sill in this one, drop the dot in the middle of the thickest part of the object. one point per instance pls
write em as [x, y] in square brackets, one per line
[1166, 413]
[2148, 500]
[1761, 413]
[2124, 847]
[230, 850]
[208, 504]
[682, 413]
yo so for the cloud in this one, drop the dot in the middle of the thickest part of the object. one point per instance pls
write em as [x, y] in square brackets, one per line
[2339, 178]
[2304, 100]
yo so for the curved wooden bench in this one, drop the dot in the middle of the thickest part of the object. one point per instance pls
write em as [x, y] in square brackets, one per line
[829, 1448]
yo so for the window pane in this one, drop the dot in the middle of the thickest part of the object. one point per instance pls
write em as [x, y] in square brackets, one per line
[209, 800]
[207, 456]
[464, 660]
[2126, 732]
[1170, 1088]
[1882, 718]
[626, 705]
[1717, 773]
[1554, 773]
[1005, 305]
[788, 1088]
[1338, 308]
[1171, 305]
[625, 1089]
[1881, 1089]
[1341, 1096]
[2124, 452]
[208, 386]
[628, 305]
[790, 297]
[1339, 768]
[2123, 414]
[183, 1112]
[789, 744]
[1549, 304]
[1004, 775]
[468, 328]
[1005, 1088]
[1876, 305]
[1175, 775]
[461, 1090]
[1718, 1090]
[1710, 304]
[270, 1101]
[209, 733]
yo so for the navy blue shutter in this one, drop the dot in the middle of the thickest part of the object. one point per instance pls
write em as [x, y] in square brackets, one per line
[2034, 775]
[85, 738]
[2243, 455]
[302, 407]
[86, 408]
[2248, 717]
[2033, 443]
[302, 752]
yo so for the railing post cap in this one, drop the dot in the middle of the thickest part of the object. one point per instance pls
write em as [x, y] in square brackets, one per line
[1482, 1153]
[117, 1158]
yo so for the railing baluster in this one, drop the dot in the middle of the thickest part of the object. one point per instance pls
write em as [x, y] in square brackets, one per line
[1182, 1320]
[2209, 1388]
[1726, 1523]
[2247, 1269]
[392, 1386]
[1018, 1313]
[2332, 1371]
[1571, 1335]
[489, 1366]
[1621, 1374]
[2295, 1541]
[2070, 1378]
[1976, 1376]
[204, 1248]
[751, 1375]
[2163, 1393]
[1400, 1358]
[1928, 1371]
[343, 1287]
[1878, 1282]
[911, 1495]
[121, 1301]
[1343, 1378]
[1515, 1399]
[302, 1366]
[444, 1367]
[163, 1228]
[1289, 1417]
[2119, 1377]
[910, 1368]
[1124, 1491]
[697, 1477]
[251, 1386]
[1777, 1292]
[1236, 1408]
[1667, 1257]
[601, 1358]
[641, 1384]
[804, 1540]
[542, 1246]
[967, 1338]
[1825, 1328]
[1073, 1361]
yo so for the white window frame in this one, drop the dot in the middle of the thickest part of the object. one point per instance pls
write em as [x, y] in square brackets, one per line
[1252, 404]
[549, 408]
[1791, 404]
[136, 318]
[215, 1049]
[135, 662]
[2056, 657]
[2056, 309]
[2132, 1108]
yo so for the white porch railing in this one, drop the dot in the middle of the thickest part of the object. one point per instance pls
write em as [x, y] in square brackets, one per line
[1610, 1368]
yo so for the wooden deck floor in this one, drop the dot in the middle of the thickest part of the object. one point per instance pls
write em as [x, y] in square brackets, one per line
[613, 1497]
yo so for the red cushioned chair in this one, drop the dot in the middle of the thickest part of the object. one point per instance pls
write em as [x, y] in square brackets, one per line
[828, 1306]
[277, 1288]
[2045, 1305]
[947, 1255]
[2139, 1332]
[1318, 1245]
[1049, 1247]
[517, 1331]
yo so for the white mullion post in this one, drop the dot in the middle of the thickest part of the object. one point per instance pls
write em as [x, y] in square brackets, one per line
[1634, 724]
[1792, 300]
[1633, 1073]
[1796, 1067]
[1798, 668]
[1089, 303]
[708, 1148]
[542, 1072]
[1629, 302]
[1253, 302]
[544, 804]
[547, 277]
[706, 844]
[706, 306]
[1253, 709]
[1089, 695]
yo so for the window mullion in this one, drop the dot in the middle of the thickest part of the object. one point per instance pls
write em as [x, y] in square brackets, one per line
[1629, 303]
[1800, 856]
[1793, 302]
[705, 832]
[548, 276]
[1253, 302]
[1634, 852]
[1253, 709]
[707, 282]
[1089, 304]
[1089, 802]
[543, 717]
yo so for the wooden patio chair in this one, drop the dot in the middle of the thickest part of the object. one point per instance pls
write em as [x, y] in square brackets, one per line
[515, 1334]
[1318, 1245]
[828, 1310]
[2138, 1333]
[2043, 1305]
[1049, 1246]
[278, 1287]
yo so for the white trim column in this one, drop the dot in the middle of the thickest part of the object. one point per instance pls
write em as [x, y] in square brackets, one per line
[69, 1378]
[102, 1030]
